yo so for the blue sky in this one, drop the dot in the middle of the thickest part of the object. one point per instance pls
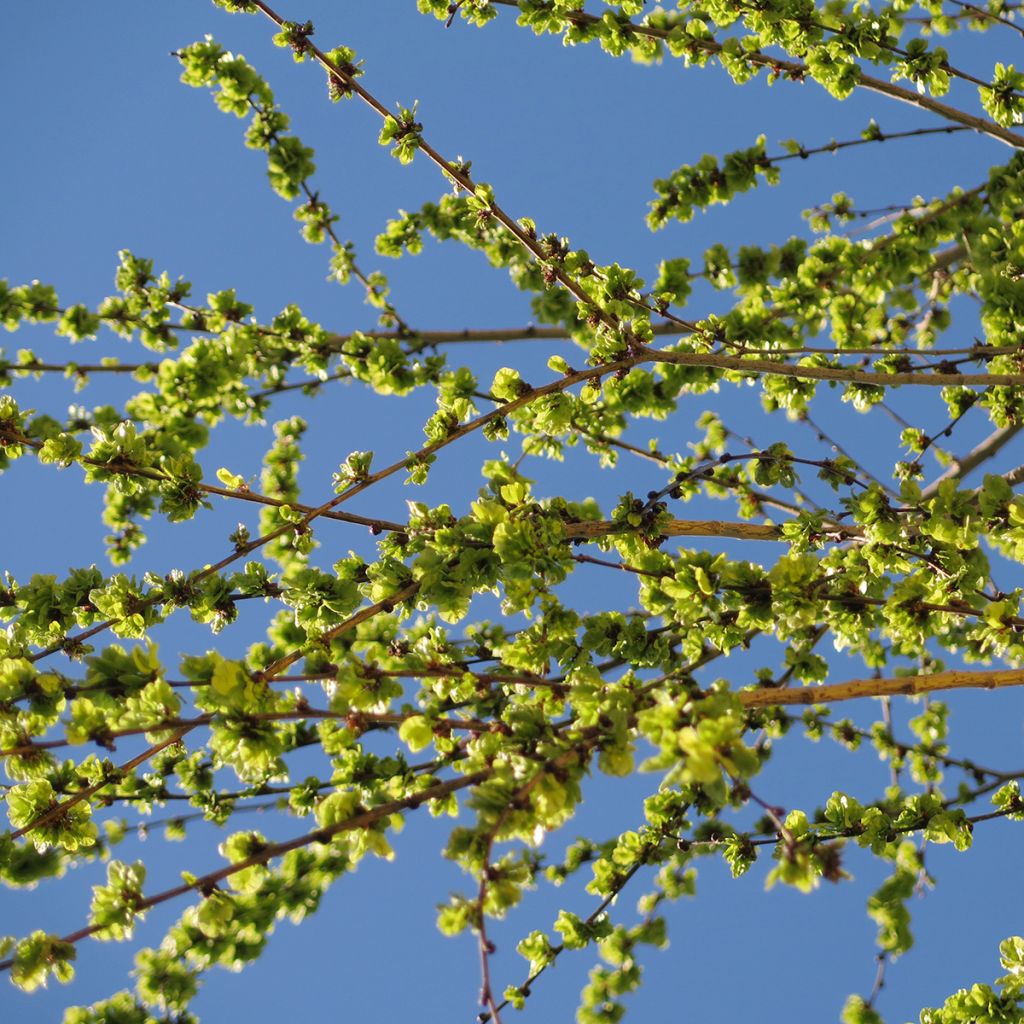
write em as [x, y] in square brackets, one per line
[106, 150]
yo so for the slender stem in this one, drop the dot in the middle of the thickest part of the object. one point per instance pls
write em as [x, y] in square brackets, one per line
[273, 850]
[299, 715]
[832, 373]
[834, 147]
[59, 810]
[81, 369]
[312, 199]
[387, 604]
[799, 72]
[238, 493]
[983, 15]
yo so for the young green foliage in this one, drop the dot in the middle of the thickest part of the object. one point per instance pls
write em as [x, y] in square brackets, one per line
[372, 667]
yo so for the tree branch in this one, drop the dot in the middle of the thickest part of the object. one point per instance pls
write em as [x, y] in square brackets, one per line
[274, 850]
[831, 373]
[799, 72]
[981, 453]
[956, 679]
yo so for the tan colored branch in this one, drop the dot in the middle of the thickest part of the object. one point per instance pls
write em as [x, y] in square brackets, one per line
[1015, 476]
[956, 679]
[974, 458]
[690, 528]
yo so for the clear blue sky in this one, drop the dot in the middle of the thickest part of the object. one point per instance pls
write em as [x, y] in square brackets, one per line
[104, 149]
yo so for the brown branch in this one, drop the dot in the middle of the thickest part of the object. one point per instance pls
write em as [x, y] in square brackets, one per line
[980, 14]
[615, 889]
[487, 997]
[455, 669]
[838, 449]
[799, 72]
[71, 369]
[760, 839]
[313, 201]
[239, 493]
[273, 850]
[901, 750]
[298, 715]
[60, 809]
[498, 335]
[830, 373]
[834, 147]
[241, 550]
[455, 172]
[470, 335]
[976, 352]
[387, 604]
